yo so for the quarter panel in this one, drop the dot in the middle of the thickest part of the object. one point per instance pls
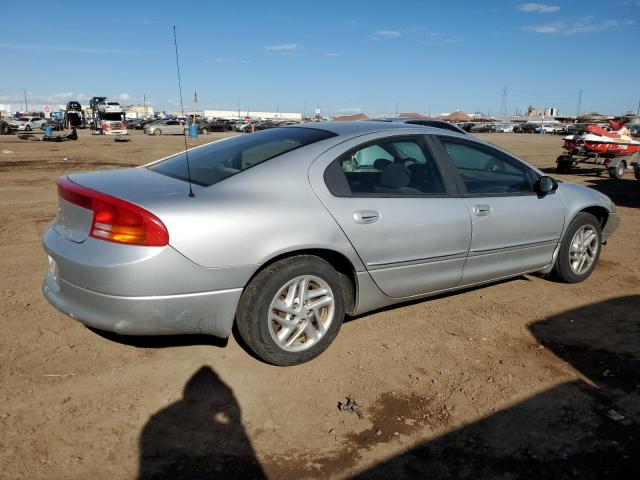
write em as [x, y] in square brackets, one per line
[251, 217]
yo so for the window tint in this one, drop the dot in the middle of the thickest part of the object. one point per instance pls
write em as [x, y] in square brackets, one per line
[219, 160]
[400, 166]
[485, 170]
[443, 125]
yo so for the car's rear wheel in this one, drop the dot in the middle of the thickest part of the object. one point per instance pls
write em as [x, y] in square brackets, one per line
[292, 310]
[27, 128]
[579, 250]
[204, 131]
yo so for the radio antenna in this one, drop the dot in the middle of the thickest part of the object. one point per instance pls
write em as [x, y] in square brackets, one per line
[184, 133]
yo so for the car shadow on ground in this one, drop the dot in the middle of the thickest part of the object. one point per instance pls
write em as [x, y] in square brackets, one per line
[624, 192]
[583, 429]
[161, 341]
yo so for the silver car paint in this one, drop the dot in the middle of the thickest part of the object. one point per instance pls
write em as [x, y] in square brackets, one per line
[430, 236]
[220, 238]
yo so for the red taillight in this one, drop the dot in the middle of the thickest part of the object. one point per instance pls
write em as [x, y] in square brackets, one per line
[114, 219]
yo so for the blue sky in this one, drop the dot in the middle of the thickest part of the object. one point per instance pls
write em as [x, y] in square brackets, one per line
[342, 56]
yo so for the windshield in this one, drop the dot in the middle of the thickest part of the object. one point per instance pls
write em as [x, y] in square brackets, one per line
[112, 116]
[219, 160]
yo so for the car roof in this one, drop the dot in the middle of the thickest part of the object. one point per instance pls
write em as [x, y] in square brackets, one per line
[354, 129]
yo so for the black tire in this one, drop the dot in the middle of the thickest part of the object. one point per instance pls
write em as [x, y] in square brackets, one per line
[563, 166]
[253, 309]
[636, 172]
[157, 132]
[617, 172]
[204, 131]
[562, 269]
[27, 128]
[5, 128]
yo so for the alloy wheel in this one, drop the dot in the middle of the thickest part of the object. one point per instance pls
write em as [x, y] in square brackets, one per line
[583, 249]
[301, 313]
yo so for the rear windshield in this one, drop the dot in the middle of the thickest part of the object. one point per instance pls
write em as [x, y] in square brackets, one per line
[219, 160]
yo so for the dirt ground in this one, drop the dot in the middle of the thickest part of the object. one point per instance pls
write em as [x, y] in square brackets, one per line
[526, 378]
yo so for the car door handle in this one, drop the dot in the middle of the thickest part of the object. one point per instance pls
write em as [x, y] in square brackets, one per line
[366, 216]
[482, 210]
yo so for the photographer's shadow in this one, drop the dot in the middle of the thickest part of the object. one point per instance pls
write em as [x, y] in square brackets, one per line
[199, 437]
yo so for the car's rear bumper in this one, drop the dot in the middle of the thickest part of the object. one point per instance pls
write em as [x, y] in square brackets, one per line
[613, 221]
[210, 313]
[140, 290]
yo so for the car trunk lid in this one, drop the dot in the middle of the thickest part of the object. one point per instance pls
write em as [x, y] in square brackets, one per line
[139, 186]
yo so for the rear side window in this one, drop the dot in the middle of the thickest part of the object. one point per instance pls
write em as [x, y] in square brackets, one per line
[387, 168]
[219, 160]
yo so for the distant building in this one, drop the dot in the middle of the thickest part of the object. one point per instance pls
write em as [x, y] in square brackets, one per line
[249, 115]
[138, 111]
[5, 110]
[542, 112]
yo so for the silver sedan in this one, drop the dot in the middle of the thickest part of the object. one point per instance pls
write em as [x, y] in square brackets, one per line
[290, 229]
[165, 127]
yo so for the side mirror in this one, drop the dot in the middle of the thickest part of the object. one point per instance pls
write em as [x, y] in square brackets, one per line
[546, 185]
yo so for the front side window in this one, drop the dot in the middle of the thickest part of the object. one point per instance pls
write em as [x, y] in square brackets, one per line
[391, 167]
[219, 160]
[485, 170]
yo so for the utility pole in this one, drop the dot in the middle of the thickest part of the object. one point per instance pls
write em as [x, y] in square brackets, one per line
[579, 107]
[144, 103]
[638, 108]
[304, 110]
[504, 103]
[195, 100]
[26, 105]
[396, 109]
[429, 110]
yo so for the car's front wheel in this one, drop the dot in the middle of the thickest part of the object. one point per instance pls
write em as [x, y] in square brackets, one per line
[579, 250]
[157, 132]
[293, 309]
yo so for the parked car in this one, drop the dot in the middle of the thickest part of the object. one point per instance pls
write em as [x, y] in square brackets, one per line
[246, 127]
[165, 127]
[425, 122]
[95, 101]
[109, 107]
[54, 124]
[27, 123]
[549, 128]
[146, 121]
[221, 125]
[483, 128]
[505, 128]
[528, 127]
[290, 229]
